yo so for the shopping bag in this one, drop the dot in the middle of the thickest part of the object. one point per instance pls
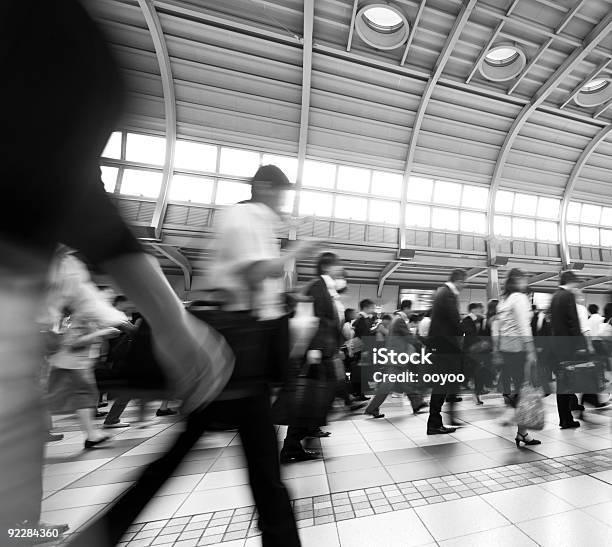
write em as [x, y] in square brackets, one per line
[530, 408]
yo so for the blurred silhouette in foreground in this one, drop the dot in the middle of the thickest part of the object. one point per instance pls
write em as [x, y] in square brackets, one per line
[62, 97]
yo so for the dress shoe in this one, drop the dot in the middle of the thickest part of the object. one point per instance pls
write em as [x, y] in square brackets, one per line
[375, 415]
[115, 425]
[442, 430]
[362, 397]
[318, 433]
[570, 425]
[54, 437]
[101, 413]
[520, 438]
[298, 456]
[92, 444]
[454, 399]
[577, 407]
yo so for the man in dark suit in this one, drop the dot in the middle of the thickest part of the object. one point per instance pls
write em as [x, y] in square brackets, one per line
[323, 349]
[472, 328]
[445, 343]
[566, 326]
[364, 326]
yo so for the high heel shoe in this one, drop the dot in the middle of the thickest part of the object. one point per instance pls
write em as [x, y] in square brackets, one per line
[520, 438]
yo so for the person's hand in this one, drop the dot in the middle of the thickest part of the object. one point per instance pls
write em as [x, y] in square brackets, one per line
[314, 356]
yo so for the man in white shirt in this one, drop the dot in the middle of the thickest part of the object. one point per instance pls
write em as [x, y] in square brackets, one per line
[595, 320]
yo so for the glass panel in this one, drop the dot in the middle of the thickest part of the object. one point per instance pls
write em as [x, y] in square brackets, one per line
[195, 156]
[287, 207]
[523, 229]
[386, 184]
[504, 201]
[591, 214]
[547, 231]
[230, 192]
[141, 183]
[286, 164]
[384, 212]
[145, 149]
[474, 197]
[351, 207]
[319, 175]
[573, 235]
[606, 216]
[195, 189]
[418, 215]
[113, 146]
[445, 219]
[419, 189]
[474, 223]
[606, 238]
[240, 163]
[353, 179]
[447, 193]
[573, 211]
[502, 226]
[589, 236]
[109, 177]
[525, 204]
[316, 203]
[548, 208]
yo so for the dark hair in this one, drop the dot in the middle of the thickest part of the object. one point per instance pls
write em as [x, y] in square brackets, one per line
[475, 305]
[492, 308]
[608, 311]
[387, 317]
[347, 314]
[326, 260]
[534, 307]
[593, 308]
[568, 277]
[406, 304]
[457, 275]
[512, 278]
[365, 303]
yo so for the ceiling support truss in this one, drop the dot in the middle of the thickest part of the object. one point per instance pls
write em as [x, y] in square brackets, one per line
[569, 189]
[175, 256]
[460, 22]
[165, 69]
[413, 29]
[305, 108]
[541, 277]
[385, 274]
[597, 281]
[600, 32]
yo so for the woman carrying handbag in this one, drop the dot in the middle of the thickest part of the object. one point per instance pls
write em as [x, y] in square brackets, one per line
[515, 351]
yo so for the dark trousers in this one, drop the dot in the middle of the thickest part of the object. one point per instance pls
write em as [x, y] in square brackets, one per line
[564, 407]
[115, 412]
[253, 417]
[443, 363]
[294, 437]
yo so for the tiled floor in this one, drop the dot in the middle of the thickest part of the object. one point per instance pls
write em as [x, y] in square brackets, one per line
[381, 482]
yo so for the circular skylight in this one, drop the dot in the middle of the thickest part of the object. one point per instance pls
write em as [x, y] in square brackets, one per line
[594, 85]
[502, 56]
[503, 62]
[595, 92]
[382, 26]
[382, 19]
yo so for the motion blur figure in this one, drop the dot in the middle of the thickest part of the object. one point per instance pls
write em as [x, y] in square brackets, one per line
[62, 97]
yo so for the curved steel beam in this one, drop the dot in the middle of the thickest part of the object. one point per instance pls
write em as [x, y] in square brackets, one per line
[449, 46]
[305, 106]
[590, 42]
[165, 70]
[569, 189]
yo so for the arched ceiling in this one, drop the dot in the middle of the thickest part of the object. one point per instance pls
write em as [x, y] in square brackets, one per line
[237, 69]
[237, 74]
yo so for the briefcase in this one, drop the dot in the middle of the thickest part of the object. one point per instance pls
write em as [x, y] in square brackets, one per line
[580, 377]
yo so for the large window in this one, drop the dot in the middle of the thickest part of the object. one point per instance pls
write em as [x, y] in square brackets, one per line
[589, 224]
[454, 207]
[526, 216]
